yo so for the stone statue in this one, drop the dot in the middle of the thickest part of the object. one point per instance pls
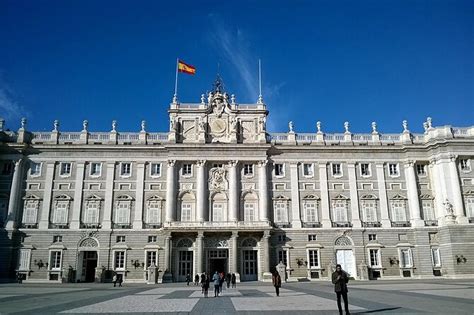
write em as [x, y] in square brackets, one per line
[56, 125]
[449, 207]
[172, 124]
[425, 126]
[201, 125]
[23, 123]
[346, 126]
[232, 99]
[2, 124]
[429, 122]
[262, 123]
[374, 127]
[203, 99]
[143, 126]
[405, 126]
[85, 123]
[114, 126]
[318, 126]
[233, 123]
[290, 126]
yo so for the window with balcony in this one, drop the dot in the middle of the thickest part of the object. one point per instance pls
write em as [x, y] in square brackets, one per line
[470, 206]
[339, 208]
[30, 212]
[153, 212]
[122, 212]
[427, 209]
[281, 211]
[249, 212]
[61, 212]
[91, 213]
[369, 211]
[186, 211]
[310, 211]
[405, 258]
[398, 210]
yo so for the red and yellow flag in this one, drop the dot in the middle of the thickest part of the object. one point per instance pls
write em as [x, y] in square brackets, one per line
[184, 67]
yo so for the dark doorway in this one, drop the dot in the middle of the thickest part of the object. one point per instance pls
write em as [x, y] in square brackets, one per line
[217, 264]
[89, 263]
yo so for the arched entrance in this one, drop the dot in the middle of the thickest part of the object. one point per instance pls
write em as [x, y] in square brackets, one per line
[217, 255]
[345, 255]
[87, 259]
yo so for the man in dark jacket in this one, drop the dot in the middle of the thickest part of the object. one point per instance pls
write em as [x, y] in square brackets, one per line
[340, 280]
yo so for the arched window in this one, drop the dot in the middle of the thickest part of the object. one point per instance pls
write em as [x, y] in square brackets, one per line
[219, 202]
[187, 207]
[250, 207]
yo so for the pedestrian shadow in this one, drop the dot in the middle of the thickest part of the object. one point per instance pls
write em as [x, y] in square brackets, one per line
[377, 310]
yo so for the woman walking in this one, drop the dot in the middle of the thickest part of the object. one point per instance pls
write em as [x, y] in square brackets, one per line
[276, 279]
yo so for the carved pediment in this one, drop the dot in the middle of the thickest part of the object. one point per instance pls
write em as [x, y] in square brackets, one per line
[369, 197]
[62, 197]
[124, 198]
[426, 197]
[340, 197]
[32, 198]
[93, 198]
[398, 197]
[281, 198]
[311, 197]
[155, 198]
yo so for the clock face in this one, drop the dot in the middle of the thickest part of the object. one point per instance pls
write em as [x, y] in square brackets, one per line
[219, 126]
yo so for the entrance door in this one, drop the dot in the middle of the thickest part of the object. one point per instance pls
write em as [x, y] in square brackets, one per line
[345, 257]
[217, 261]
[89, 263]
[249, 262]
[185, 264]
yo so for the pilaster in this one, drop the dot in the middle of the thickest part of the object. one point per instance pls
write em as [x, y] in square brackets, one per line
[323, 182]
[233, 192]
[109, 195]
[412, 191]
[354, 196]
[12, 216]
[295, 197]
[456, 191]
[201, 198]
[78, 189]
[170, 191]
[263, 190]
[48, 192]
[199, 252]
[384, 214]
[138, 219]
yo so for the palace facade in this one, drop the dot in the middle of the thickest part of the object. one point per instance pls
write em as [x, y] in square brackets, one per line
[218, 192]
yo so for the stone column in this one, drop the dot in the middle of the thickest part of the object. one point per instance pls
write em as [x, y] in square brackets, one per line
[233, 192]
[384, 216]
[201, 198]
[109, 196]
[199, 252]
[263, 190]
[265, 246]
[138, 219]
[171, 191]
[234, 248]
[412, 191]
[435, 182]
[12, 216]
[323, 182]
[456, 191]
[167, 275]
[48, 192]
[78, 189]
[295, 197]
[354, 196]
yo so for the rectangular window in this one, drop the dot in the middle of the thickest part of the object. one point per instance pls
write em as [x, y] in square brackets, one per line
[435, 257]
[281, 238]
[151, 258]
[465, 165]
[186, 212]
[372, 237]
[91, 215]
[153, 212]
[393, 169]
[155, 169]
[365, 169]
[421, 169]
[123, 213]
[125, 169]
[152, 239]
[96, 169]
[35, 169]
[428, 211]
[119, 260]
[121, 239]
[308, 169]
[369, 211]
[398, 211]
[312, 237]
[339, 211]
[336, 169]
[187, 170]
[55, 263]
[30, 213]
[283, 256]
[310, 211]
[217, 212]
[470, 207]
[60, 213]
[248, 170]
[279, 170]
[249, 212]
[217, 165]
[185, 263]
[65, 169]
[25, 255]
[313, 258]
[57, 239]
[405, 258]
[374, 258]
[281, 212]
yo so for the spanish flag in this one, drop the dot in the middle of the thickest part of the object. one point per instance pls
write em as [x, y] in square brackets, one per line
[183, 67]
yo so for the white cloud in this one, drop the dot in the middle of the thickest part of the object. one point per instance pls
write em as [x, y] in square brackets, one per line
[10, 110]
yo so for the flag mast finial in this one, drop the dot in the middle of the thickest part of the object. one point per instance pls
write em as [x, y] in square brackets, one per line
[260, 97]
[175, 96]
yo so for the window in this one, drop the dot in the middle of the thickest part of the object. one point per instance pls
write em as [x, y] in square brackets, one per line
[155, 169]
[125, 169]
[470, 207]
[91, 214]
[308, 170]
[153, 212]
[55, 263]
[365, 169]
[60, 212]
[123, 212]
[248, 170]
[374, 257]
[186, 212]
[313, 258]
[339, 210]
[435, 257]
[310, 211]
[151, 258]
[281, 238]
[217, 165]
[217, 212]
[372, 237]
[65, 169]
[279, 170]
[187, 170]
[35, 169]
[249, 211]
[465, 165]
[57, 239]
[405, 258]
[30, 212]
[283, 256]
[428, 212]
[7, 168]
[421, 169]
[336, 169]
[96, 169]
[152, 239]
[369, 210]
[281, 212]
[393, 170]
[119, 260]
[121, 239]
[398, 211]
[312, 237]
[185, 263]
[25, 255]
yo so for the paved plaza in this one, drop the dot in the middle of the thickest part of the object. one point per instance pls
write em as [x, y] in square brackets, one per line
[391, 297]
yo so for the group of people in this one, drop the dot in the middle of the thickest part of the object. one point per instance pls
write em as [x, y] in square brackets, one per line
[217, 279]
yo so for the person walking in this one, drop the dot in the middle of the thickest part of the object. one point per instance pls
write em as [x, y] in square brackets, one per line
[206, 285]
[233, 280]
[228, 279]
[114, 279]
[203, 280]
[276, 280]
[340, 279]
[120, 280]
[196, 279]
[216, 279]
[188, 279]
[221, 281]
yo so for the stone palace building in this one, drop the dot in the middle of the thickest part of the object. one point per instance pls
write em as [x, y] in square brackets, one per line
[218, 192]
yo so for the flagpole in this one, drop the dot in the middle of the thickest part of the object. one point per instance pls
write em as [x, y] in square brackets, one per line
[175, 96]
[260, 97]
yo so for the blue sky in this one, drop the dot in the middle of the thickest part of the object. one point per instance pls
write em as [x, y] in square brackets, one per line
[332, 61]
